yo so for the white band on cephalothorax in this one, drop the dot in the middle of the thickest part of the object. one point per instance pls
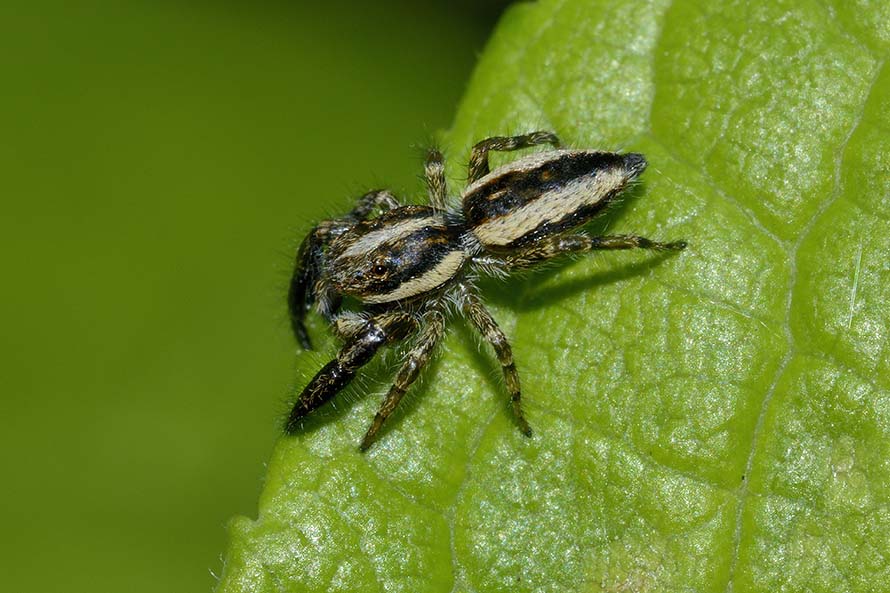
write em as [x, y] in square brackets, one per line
[390, 232]
[432, 278]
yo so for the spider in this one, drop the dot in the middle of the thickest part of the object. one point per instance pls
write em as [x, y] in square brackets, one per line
[404, 265]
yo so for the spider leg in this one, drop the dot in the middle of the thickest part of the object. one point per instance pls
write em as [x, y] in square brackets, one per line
[305, 288]
[556, 246]
[478, 166]
[422, 350]
[434, 174]
[486, 325]
[348, 323]
[378, 198]
[355, 353]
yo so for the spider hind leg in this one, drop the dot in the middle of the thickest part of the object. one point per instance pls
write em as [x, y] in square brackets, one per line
[479, 167]
[486, 325]
[574, 244]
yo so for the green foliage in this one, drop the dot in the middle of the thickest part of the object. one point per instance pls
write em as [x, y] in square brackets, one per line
[717, 420]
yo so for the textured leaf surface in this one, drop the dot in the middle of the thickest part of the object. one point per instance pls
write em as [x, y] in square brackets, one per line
[713, 421]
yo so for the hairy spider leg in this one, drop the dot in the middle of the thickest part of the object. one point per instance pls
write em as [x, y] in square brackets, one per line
[304, 289]
[422, 350]
[434, 174]
[563, 245]
[479, 167]
[358, 350]
[348, 323]
[486, 325]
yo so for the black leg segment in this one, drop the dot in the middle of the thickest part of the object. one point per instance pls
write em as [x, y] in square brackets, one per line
[302, 291]
[356, 353]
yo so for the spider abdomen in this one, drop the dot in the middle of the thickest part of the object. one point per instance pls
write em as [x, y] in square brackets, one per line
[544, 194]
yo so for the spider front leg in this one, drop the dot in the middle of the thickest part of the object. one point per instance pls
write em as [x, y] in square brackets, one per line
[347, 324]
[358, 350]
[478, 166]
[305, 288]
[419, 355]
[557, 246]
[378, 198]
[434, 173]
[488, 327]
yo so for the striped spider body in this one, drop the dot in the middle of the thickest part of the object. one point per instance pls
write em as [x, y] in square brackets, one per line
[403, 263]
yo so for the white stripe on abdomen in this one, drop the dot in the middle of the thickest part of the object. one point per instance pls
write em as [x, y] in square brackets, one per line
[549, 207]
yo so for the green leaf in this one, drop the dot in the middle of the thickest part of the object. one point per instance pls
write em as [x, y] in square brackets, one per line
[718, 420]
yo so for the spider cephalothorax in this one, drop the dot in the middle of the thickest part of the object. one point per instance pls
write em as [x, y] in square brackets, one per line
[404, 264]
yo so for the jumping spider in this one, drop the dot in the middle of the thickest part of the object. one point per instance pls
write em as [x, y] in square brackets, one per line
[406, 263]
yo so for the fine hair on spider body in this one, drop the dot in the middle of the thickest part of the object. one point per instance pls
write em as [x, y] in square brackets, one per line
[408, 266]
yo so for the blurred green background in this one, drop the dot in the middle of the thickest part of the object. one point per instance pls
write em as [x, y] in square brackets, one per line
[159, 161]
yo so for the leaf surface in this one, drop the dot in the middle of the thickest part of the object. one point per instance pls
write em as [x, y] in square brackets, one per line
[718, 420]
